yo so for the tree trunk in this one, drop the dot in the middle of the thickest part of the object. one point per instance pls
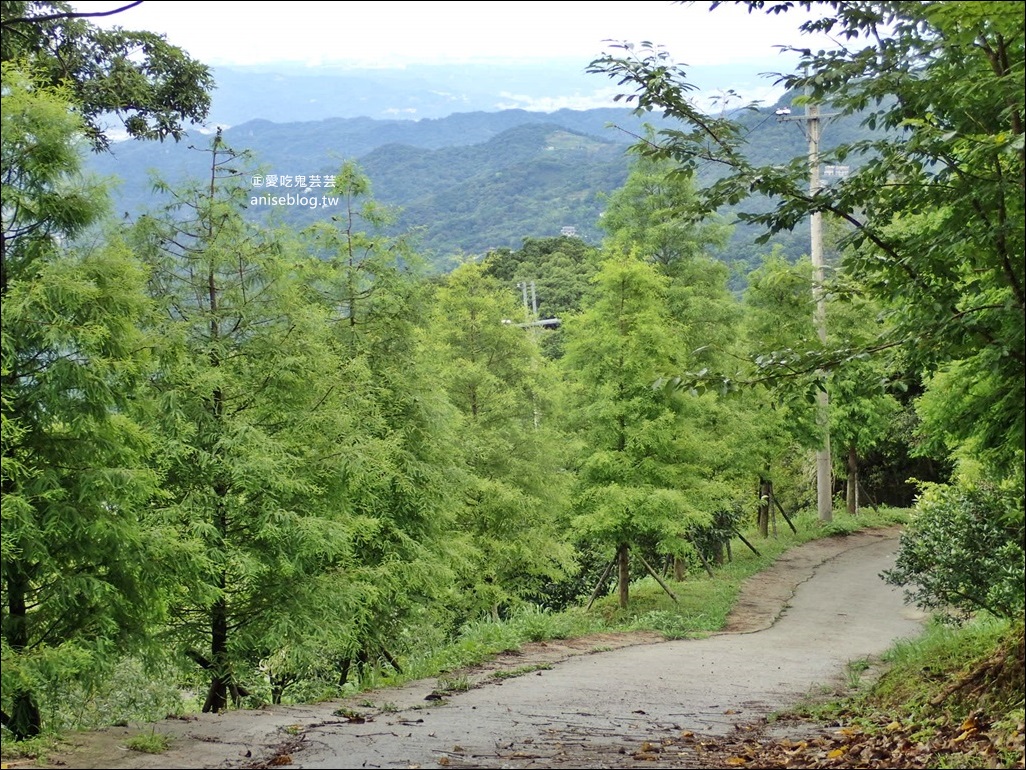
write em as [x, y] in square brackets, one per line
[220, 674]
[853, 480]
[623, 562]
[719, 553]
[765, 498]
[679, 573]
[25, 720]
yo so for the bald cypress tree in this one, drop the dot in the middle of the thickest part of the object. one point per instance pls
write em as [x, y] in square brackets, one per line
[644, 474]
[80, 561]
[252, 415]
[508, 396]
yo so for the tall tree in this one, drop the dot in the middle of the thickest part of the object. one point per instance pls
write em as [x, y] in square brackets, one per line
[947, 80]
[861, 391]
[412, 490]
[644, 475]
[782, 418]
[507, 393]
[73, 476]
[657, 213]
[252, 418]
[80, 563]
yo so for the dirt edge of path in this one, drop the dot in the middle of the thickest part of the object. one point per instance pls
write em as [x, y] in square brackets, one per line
[268, 737]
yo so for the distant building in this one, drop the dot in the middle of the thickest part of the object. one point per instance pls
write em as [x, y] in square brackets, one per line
[569, 231]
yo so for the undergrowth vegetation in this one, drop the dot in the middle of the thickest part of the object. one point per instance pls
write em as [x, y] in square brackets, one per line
[953, 696]
[702, 607]
[950, 698]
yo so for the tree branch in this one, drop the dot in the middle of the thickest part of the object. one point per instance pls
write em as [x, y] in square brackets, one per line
[68, 15]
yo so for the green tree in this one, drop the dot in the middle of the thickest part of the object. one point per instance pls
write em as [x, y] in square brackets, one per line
[936, 205]
[80, 562]
[781, 424]
[153, 87]
[74, 476]
[553, 271]
[252, 418]
[644, 477]
[657, 214]
[410, 483]
[507, 394]
[863, 405]
[653, 215]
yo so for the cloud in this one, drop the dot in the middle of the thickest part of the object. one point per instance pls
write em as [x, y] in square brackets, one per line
[604, 97]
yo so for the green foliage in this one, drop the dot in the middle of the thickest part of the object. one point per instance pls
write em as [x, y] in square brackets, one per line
[451, 684]
[125, 690]
[151, 86]
[81, 563]
[521, 671]
[252, 419]
[561, 269]
[656, 214]
[644, 473]
[149, 743]
[672, 625]
[963, 552]
[934, 205]
[401, 470]
[516, 493]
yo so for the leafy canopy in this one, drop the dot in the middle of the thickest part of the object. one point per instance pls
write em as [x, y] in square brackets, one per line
[935, 204]
[152, 87]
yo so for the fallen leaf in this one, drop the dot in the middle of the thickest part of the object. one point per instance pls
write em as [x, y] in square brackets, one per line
[736, 761]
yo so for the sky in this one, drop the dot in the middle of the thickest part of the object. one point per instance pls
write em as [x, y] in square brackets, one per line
[398, 33]
[728, 41]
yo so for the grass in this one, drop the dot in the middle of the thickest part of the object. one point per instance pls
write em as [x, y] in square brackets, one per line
[853, 672]
[149, 743]
[921, 668]
[704, 604]
[451, 684]
[949, 684]
[521, 671]
[39, 749]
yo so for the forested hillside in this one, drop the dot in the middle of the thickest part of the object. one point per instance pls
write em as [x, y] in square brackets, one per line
[263, 459]
[471, 182]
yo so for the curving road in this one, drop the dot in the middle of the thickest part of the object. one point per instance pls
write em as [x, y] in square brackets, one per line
[598, 710]
[794, 631]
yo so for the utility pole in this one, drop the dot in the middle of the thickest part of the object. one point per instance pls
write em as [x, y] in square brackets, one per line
[824, 486]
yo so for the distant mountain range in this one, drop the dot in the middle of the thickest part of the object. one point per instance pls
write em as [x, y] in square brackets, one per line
[467, 182]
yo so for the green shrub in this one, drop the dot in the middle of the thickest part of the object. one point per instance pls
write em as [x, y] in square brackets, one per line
[149, 743]
[963, 553]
